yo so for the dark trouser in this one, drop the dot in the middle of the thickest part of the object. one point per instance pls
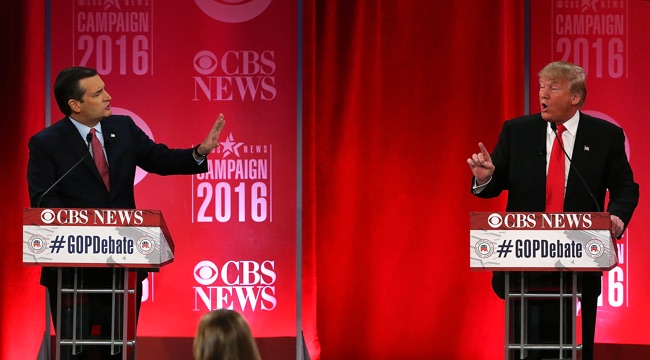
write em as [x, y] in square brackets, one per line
[94, 312]
[544, 315]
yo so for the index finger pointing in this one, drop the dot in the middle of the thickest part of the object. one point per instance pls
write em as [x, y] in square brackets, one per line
[484, 151]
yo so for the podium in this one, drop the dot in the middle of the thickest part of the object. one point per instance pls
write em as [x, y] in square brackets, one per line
[72, 240]
[540, 242]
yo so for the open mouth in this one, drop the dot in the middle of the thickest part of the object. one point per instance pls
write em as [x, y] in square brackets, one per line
[544, 106]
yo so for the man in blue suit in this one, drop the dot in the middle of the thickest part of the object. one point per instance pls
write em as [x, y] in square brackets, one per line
[519, 165]
[81, 95]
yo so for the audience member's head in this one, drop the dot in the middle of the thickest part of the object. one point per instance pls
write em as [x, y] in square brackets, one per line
[224, 335]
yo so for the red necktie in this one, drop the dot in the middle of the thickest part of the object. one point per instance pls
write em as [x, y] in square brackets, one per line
[100, 160]
[555, 177]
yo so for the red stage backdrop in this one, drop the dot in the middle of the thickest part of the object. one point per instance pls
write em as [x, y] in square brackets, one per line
[399, 94]
[609, 40]
[173, 67]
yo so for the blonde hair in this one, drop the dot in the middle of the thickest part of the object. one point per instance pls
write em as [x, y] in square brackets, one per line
[224, 335]
[562, 70]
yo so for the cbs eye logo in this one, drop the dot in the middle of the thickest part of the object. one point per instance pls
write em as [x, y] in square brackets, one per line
[205, 62]
[206, 272]
[48, 216]
[495, 221]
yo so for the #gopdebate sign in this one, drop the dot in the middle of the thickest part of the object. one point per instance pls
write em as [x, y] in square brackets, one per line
[541, 241]
[96, 237]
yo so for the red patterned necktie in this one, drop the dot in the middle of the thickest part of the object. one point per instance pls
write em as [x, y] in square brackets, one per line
[100, 160]
[555, 177]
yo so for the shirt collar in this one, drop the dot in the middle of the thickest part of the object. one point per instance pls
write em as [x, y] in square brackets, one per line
[571, 125]
[83, 129]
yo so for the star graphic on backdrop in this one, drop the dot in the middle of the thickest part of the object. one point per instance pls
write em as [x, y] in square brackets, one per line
[109, 3]
[230, 146]
[589, 4]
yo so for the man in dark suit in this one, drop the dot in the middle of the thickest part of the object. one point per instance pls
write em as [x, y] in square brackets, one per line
[81, 95]
[519, 161]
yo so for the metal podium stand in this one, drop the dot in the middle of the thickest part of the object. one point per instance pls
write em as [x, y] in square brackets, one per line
[121, 338]
[563, 243]
[120, 240]
[523, 296]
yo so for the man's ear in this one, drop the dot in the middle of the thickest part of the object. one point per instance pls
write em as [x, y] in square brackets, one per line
[575, 99]
[74, 105]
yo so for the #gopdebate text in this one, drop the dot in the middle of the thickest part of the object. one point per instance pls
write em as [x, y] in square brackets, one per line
[534, 248]
[80, 244]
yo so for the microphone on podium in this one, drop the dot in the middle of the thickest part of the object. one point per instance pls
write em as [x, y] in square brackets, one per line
[89, 139]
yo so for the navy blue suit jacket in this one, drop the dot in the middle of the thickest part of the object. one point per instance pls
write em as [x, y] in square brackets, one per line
[55, 149]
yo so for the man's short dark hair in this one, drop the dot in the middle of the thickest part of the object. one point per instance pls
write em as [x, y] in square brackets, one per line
[66, 86]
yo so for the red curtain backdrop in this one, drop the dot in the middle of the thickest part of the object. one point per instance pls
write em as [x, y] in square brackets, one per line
[397, 94]
[22, 69]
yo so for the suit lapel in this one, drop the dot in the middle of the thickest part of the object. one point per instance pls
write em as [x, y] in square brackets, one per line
[79, 147]
[581, 154]
[75, 142]
[111, 135]
[539, 176]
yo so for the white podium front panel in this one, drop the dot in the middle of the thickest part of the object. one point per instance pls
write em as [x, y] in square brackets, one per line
[96, 237]
[541, 241]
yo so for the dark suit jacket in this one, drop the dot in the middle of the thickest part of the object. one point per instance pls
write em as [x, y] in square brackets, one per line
[55, 149]
[598, 155]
